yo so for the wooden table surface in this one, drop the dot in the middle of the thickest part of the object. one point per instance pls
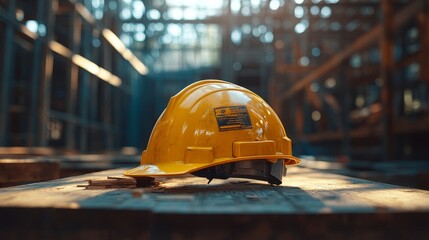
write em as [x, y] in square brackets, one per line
[308, 204]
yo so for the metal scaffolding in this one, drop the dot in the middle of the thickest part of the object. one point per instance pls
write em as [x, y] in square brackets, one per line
[63, 83]
[346, 77]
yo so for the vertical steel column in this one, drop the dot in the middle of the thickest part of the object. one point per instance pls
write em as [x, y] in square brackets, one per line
[35, 79]
[227, 56]
[72, 83]
[106, 103]
[84, 91]
[133, 112]
[299, 114]
[264, 72]
[275, 83]
[108, 106]
[95, 53]
[345, 109]
[424, 41]
[121, 101]
[300, 96]
[93, 106]
[6, 78]
[387, 62]
[47, 69]
[273, 94]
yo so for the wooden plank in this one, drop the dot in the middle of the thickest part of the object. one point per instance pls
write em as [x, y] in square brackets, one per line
[68, 165]
[21, 171]
[309, 204]
[348, 195]
[14, 151]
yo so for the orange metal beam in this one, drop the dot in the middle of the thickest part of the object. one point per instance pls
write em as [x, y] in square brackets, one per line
[399, 20]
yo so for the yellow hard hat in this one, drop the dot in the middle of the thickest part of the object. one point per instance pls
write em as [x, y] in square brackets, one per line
[216, 129]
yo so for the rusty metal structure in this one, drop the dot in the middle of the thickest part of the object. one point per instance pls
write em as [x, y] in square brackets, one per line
[82, 83]
[348, 77]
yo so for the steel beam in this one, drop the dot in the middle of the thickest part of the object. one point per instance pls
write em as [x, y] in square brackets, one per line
[366, 40]
[47, 70]
[35, 80]
[346, 102]
[424, 42]
[6, 77]
[84, 89]
[387, 62]
[73, 79]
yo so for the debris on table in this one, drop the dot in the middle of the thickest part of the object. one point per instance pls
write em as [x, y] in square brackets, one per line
[119, 182]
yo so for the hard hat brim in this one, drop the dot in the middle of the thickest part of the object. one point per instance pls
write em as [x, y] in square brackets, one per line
[179, 168]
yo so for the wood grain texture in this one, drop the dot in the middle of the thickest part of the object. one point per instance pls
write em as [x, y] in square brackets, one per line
[303, 191]
[20, 171]
[309, 204]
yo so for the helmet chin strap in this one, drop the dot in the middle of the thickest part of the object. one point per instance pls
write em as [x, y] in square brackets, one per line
[253, 169]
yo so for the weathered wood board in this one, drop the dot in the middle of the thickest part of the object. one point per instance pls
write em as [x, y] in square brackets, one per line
[309, 204]
[20, 171]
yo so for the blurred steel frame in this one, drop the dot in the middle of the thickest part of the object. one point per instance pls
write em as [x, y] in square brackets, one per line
[8, 58]
[41, 82]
